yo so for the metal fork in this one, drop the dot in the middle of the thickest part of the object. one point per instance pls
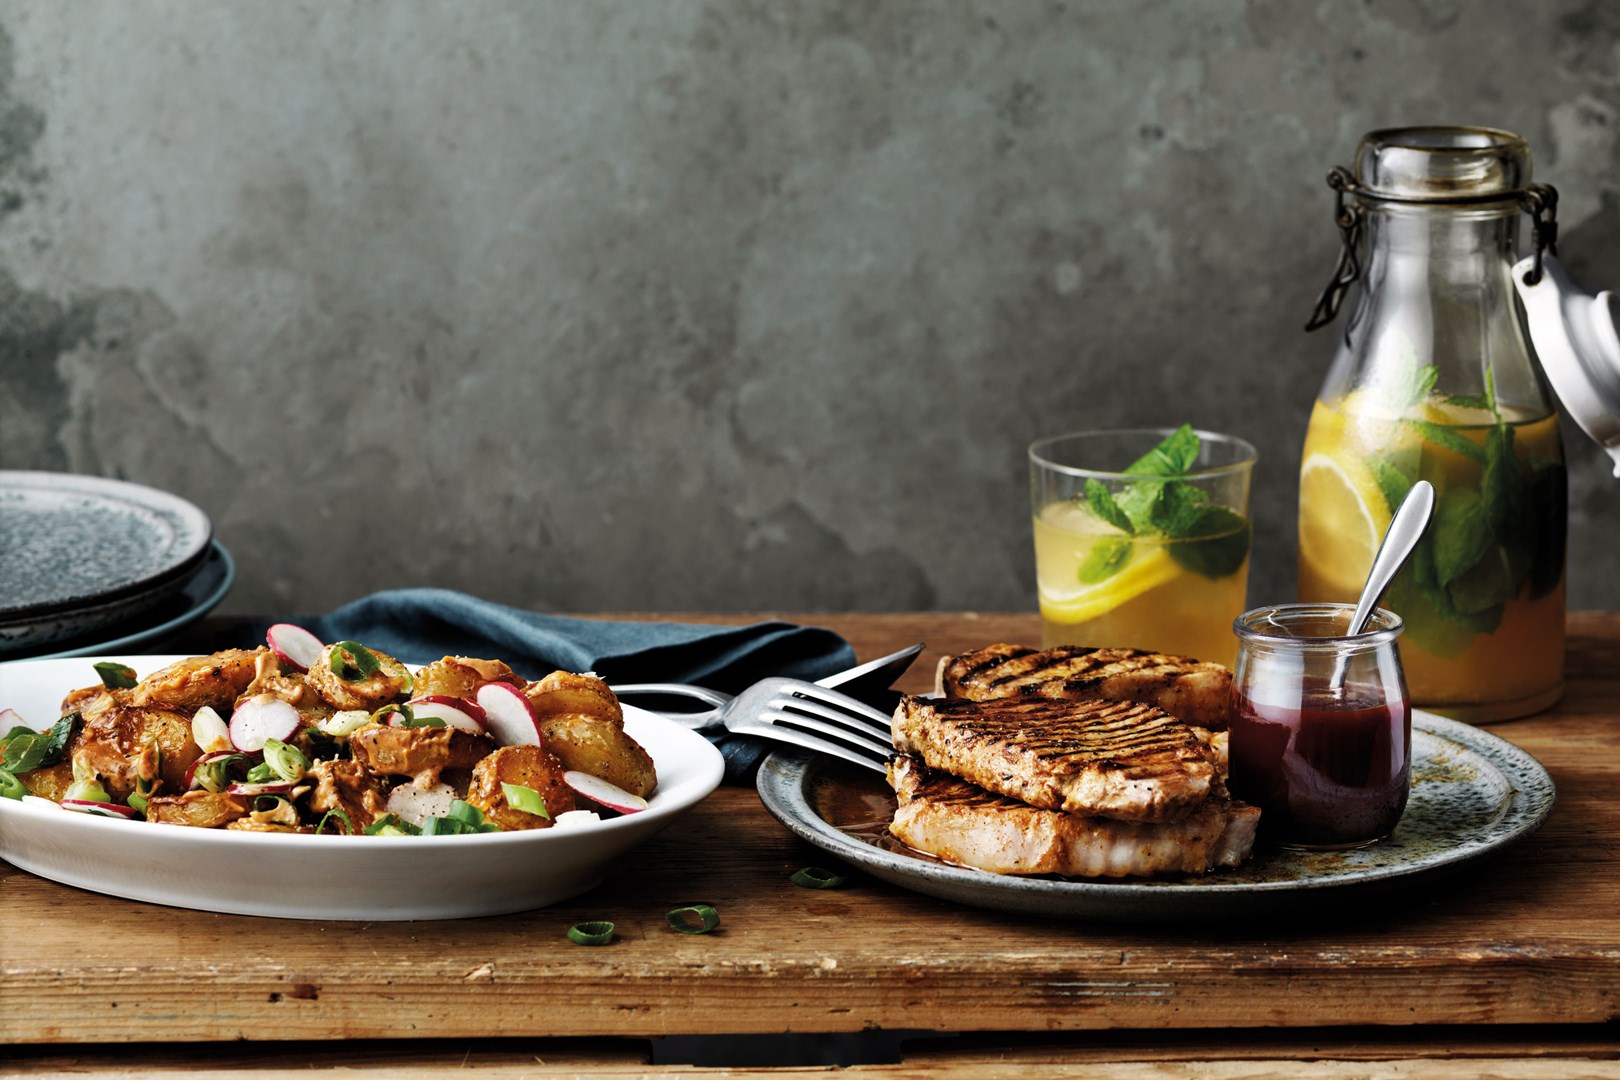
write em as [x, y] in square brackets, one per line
[812, 717]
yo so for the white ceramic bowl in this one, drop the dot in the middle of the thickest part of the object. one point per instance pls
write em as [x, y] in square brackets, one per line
[373, 878]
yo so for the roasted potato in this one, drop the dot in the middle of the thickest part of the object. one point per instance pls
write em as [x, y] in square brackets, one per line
[564, 692]
[116, 738]
[51, 782]
[526, 766]
[366, 691]
[461, 676]
[200, 809]
[216, 681]
[601, 748]
[347, 786]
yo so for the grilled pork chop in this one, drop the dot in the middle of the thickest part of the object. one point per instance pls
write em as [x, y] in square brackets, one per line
[1192, 690]
[1106, 758]
[964, 824]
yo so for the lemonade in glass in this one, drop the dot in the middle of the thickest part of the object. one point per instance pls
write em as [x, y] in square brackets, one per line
[1142, 539]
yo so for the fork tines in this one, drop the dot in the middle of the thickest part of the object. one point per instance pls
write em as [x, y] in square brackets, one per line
[818, 719]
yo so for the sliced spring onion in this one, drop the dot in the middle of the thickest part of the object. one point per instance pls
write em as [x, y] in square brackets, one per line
[422, 721]
[10, 786]
[116, 676]
[345, 722]
[462, 818]
[137, 801]
[267, 804]
[525, 799]
[262, 773]
[337, 813]
[87, 791]
[285, 761]
[385, 714]
[391, 825]
[145, 784]
[814, 877]
[213, 774]
[680, 920]
[591, 933]
[352, 661]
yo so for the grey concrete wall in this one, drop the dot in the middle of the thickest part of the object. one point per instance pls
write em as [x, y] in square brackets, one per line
[610, 305]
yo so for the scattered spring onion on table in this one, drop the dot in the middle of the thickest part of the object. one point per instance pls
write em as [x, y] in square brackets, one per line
[591, 933]
[681, 919]
[815, 877]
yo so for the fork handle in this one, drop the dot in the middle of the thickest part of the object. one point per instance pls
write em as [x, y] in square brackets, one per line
[700, 693]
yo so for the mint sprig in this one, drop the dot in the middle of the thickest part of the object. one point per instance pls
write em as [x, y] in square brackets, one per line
[1208, 539]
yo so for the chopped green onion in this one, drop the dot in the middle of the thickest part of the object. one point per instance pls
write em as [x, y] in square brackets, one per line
[462, 818]
[87, 791]
[680, 920]
[214, 775]
[285, 761]
[422, 722]
[116, 676]
[262, 773]
[591, 933]
[336, 812]
[382, 714]
[145, 785]
[389, 825]
[525, 799]
[345, 722]
[352, 661]
[814, 877]
[264, 804]
[137, 802]
[10, 786]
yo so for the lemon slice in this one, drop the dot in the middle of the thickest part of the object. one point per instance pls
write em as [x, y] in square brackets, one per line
[1149, 567]
[1342, 518]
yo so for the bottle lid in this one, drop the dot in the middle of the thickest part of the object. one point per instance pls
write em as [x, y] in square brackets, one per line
[1574, 335]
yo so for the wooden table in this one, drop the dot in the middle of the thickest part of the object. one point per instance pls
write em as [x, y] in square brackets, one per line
[1512, 967]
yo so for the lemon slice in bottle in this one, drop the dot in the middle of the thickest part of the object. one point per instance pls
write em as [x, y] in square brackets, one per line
[1343, 520]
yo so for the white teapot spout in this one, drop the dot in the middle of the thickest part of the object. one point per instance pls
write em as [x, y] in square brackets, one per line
[1574, 335]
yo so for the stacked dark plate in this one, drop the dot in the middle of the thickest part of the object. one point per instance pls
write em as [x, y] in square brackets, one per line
[90, 565]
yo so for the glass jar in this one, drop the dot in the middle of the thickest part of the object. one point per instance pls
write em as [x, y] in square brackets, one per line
[1321, 737]
[1433, 379]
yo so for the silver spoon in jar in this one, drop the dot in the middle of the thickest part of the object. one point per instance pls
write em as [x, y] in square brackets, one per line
[1400, 540]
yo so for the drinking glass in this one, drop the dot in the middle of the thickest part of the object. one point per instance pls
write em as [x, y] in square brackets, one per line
[1142, 539]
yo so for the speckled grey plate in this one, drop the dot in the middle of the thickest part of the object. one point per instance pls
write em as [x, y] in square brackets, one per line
[1472, 794]
[82, 552]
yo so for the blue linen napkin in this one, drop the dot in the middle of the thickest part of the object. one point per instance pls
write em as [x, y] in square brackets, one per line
[419, 626]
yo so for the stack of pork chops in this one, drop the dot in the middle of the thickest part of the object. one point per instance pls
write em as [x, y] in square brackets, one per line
[1074, 761]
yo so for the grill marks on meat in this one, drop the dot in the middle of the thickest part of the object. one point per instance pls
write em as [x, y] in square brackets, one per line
[1121, 760]
[1192, 690]
[956, 821]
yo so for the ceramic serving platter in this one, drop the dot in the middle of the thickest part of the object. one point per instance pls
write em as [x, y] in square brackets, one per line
[373, 878]
[1472, 794]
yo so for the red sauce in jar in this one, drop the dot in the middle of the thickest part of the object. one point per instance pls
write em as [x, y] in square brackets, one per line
[1333, 770]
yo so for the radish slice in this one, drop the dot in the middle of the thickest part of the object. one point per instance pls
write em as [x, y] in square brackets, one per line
[209, 731]
[101, 809]
[280, 787]
[295, 645]
[9, 719]
[260, 718]
[459, 713]
[415, 804]
[603, 793]
[574, 819]
[509, 715]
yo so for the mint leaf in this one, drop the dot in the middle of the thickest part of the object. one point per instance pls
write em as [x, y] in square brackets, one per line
[1214, 541]
[1174, 456]
[1391, 481]
[1462, 534]
[1411, 386]
[1470, 401]
[1103, 505]
[1174, 510]
[26, 750]
[1449, 439]
[1105, 559]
